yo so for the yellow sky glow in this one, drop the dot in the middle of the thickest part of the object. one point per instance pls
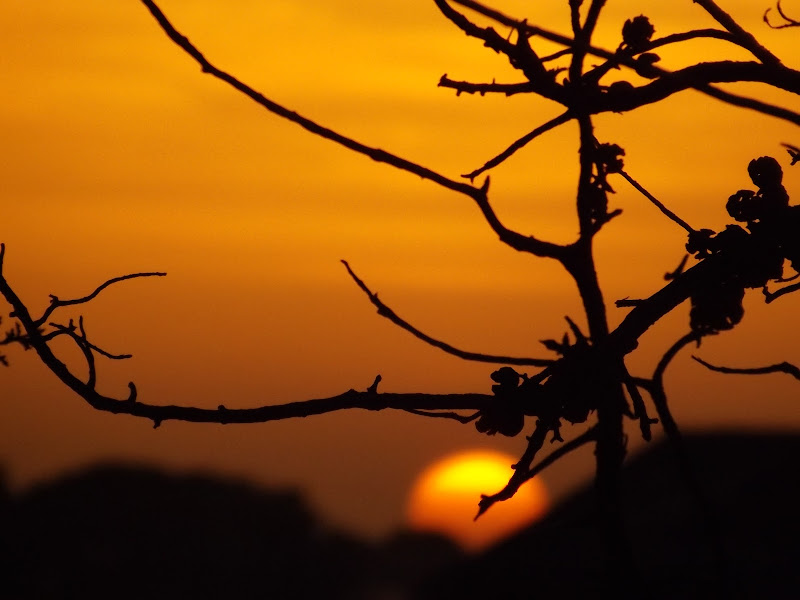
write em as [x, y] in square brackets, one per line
[120, 156]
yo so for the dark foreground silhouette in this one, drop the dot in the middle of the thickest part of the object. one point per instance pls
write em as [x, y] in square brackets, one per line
[122, 532]
[752, 489]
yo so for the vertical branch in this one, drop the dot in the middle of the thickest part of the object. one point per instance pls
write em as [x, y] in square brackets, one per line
[610, 447]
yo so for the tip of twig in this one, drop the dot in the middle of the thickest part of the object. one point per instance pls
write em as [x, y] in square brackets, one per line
[482, 508]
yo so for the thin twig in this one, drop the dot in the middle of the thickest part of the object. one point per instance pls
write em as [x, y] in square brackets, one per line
[521, 469]
[388, 313]
[520, 143]
[746, 39]
[70, 331]
[789, 22]
[444, 415]
[375, 154]
[466, 87]
[772, 296]
[660, 205]
[56, 302]
[784, 367]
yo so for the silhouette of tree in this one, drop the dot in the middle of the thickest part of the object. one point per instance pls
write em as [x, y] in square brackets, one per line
[586, 379]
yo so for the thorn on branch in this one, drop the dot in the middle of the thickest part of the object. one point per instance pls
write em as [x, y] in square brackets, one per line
[133, 393]
[373, 389]
[678, 270]
[628, 302]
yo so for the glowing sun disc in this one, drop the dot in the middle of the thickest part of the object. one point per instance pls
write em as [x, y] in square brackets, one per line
[444, 499]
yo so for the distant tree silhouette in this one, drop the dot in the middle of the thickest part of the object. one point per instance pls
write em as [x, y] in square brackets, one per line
[586, 378]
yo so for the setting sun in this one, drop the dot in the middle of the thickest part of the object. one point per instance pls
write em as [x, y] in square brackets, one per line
[445, 497]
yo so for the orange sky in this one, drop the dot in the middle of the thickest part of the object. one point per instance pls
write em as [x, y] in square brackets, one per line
[120, 156]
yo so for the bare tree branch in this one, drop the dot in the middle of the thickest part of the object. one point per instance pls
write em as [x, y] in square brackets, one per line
[523, 472]
[670, 215]
[656, 387]
[80, 339]
[770, 297]
[520, 143]
[465, 87]
[520, 55]
[369, 399]
[746, 39]
[784, 367]
[275, 108]
[444, 415]
[388, 313]
[788, 21]
[675, 38]
[56, 302]
[515, 240]
[521, 468]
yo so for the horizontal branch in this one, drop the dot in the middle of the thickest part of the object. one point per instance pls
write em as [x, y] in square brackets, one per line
[675, 38]
[784, 367]
[629, 62]
[369, 400]
[701, 77]
[466, 87]
[388, 313]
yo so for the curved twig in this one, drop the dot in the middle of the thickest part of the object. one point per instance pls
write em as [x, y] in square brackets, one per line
[789, 22]
[746, 39]
[69, 330]
[784, 367]
[770, 297]
[56, 302]
[656, 388]
[527, 474]
[521, 469]
[388, 313]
